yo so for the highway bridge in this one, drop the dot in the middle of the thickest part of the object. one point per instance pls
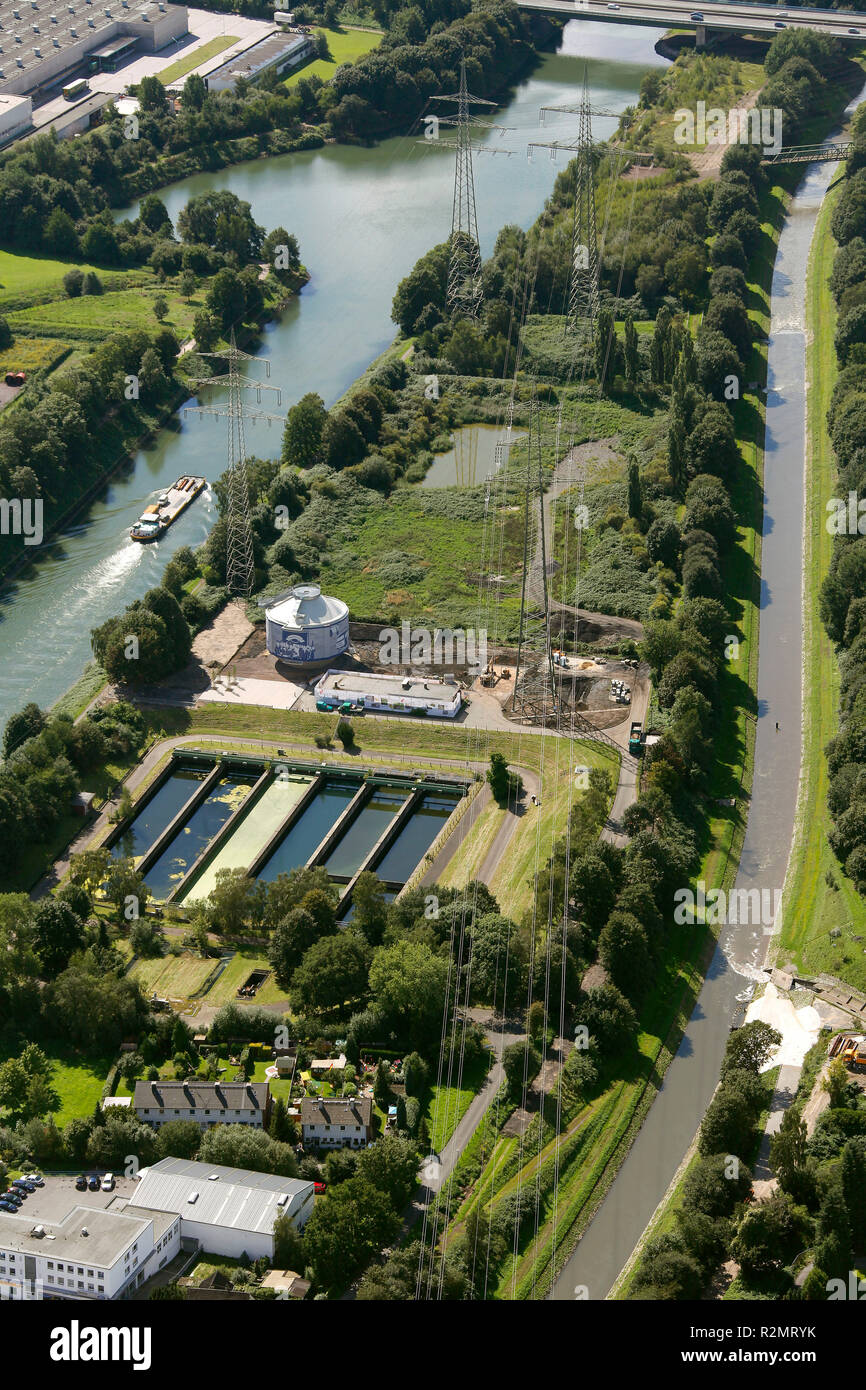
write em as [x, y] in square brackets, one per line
[740, 17]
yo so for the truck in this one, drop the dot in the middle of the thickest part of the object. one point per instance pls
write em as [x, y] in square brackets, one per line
[635, 737]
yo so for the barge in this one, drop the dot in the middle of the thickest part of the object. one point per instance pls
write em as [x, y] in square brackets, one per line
[156, 519]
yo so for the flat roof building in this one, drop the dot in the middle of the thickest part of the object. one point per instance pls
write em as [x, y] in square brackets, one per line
[278, 51]
[91, 1254]
[393, 694]
[44, 41]
[230, 1211]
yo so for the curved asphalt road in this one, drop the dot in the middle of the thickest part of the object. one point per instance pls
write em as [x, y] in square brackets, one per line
[692, 1076]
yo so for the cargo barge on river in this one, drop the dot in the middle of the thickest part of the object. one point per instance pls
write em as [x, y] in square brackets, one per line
[156, 519]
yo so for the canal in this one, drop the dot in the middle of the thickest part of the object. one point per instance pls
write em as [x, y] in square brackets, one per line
[362, 217]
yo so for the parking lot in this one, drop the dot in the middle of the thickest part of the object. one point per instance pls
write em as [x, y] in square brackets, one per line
[57, 1198]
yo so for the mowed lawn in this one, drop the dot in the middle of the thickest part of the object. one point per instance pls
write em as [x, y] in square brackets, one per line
[235, 974]
[346, 46]
[448, 1104]
[196, 58]
[25, 276]
[78, 1080]
[103, 314]
[173, 977]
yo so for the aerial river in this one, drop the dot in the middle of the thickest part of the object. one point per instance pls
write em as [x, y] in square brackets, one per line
[362, 217]
[692, 1076]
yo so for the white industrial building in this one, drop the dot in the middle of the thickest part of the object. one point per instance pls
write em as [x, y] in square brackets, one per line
[278, 50]
[228, 1211]
[43, 41]
[390, 694]
[206, 1103]
[91, 1254]
[16, 116]
[306, 627]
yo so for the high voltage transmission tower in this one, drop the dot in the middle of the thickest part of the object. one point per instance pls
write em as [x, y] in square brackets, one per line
[464, 263]
[239, 544]
[534, 695]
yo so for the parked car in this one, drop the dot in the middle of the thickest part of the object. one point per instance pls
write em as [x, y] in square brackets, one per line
[23, 1184]
[324, 707]
[13, 1196]
[81, 1183]
[93, 1183]
[8, 1206]
[35, 1178]
[16, 378]
[108, 1182]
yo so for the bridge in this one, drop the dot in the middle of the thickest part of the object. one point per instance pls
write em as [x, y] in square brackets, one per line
[810, 154]
[732, 15]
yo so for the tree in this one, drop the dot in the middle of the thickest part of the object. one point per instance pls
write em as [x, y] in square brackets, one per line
[153, 214]
[353, 1223]
[407, 982]
[391, 1166]
[498, 965]
[750, 1047]
[623, 951]
[179, 1139]
[73, 282]
[60, 236]
[370, 907]
[332, 974]
[632, 359]
[26, 723]
[125, 889]
[504, 784]
[854, 1192]
[160, 308]
[382, 1085]
[521, 1062]
[58, 933]
[288, 1244]
[713, 1186]
[226, 298]
[769, 1234]
[241, 1146]
[727, 314]
[833, 1234]
[230, 903]
[194, 92]
[297, 932]
[302, 436]
[151, 94]
[835, 1083]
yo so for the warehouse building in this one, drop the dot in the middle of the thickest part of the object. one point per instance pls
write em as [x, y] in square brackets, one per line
[16, 116]
[44, 41]
[228, 1211]
[305, 627]
[280, 51]
[388, 694]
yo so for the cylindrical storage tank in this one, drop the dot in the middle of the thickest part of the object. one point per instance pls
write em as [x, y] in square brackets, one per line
[307, 627]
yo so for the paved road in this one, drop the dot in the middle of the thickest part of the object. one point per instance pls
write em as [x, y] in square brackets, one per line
[743, 18]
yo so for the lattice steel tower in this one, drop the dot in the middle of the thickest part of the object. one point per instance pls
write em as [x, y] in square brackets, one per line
[239, 544]
[535, 693]
[464, 265]
[583, 283]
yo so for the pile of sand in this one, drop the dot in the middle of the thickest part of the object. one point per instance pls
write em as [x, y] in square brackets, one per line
[800, 1028]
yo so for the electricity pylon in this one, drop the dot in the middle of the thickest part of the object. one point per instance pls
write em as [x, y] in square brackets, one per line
[240, 569]
[464, 263]
[534, 695]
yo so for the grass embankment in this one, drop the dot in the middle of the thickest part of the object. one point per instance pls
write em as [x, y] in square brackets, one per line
[344, 46]
[195, 59]
[811, 907]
